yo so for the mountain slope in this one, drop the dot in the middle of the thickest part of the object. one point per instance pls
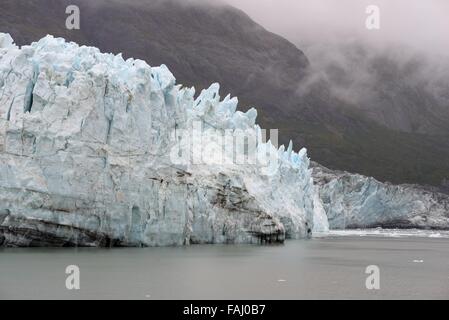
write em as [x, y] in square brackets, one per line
[209, 43]
[396, 86]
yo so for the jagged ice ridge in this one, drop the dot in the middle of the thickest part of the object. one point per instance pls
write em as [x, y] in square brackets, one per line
[353, 201]
[85, 158]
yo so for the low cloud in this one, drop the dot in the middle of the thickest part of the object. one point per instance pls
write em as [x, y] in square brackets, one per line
[423, 25]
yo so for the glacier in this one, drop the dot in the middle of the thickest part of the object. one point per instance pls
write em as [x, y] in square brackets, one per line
[353, 201]
[96, 150]
[86, 158]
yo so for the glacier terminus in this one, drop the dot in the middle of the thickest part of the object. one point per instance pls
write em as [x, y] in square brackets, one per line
[86, 159]
[85, 143]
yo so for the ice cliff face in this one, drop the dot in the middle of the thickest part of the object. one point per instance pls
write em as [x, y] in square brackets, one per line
[87, 149]
[355, 201]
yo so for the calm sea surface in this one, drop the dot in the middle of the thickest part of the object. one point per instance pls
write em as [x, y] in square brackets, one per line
[330, 267]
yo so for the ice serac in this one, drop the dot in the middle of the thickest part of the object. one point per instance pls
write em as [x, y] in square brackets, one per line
[86, 158]
[355, 201]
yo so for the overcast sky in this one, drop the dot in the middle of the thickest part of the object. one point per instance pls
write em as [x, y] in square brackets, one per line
[421, 23]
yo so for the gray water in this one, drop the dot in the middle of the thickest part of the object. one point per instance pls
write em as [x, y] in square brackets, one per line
[331, 267]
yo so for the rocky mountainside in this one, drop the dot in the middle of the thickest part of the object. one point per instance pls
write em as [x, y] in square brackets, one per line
[218, 43]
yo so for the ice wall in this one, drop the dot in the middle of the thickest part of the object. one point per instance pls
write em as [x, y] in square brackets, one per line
[96, 151]
[354, 201]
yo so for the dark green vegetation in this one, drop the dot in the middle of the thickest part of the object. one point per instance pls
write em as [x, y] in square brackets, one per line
[217, 43]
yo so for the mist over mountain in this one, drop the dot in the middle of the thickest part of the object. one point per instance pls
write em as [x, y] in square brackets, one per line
[374, 112]
[396, 87]
[416, 25]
